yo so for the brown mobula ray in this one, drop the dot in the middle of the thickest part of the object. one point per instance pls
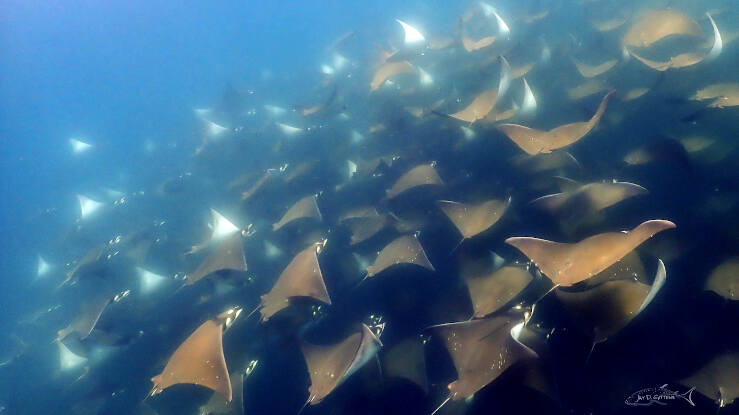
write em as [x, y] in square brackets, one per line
[555, 160]
[722, 95]
[604, 310]
[364, 223]
[724, 279]
[591, 71]
[85, 322]
[329, 366]
[586, 199]
[718, 379]
[491, 287]
[683, 60]
[199, 359]
[406, 360]
[569, 263]
[473, 45]
[403, 250]
[479, 108]
[227, 255]
[481, 350]
[305, 208]
[608, 25]
[421, 175]
[656, 25]
[217, 404]
[387, 71]
[537, 141]
[587, 88]
[301, 278]
[471, 220]
[519, 71]
[678, 61]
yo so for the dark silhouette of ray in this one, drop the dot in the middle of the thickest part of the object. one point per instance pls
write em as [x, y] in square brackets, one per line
[724, 279]
[587, 199]
[316, 109]
[604, 310]
[387, 71]
[85, 322]
[301, 278]
[329, 366]
[217, 404]
[566, 264]
[471, 45]
[718, 380]
[591, 71]
[91, 258]
[227, 255]
[199, 359]
[306, 207]
[407, 360]
[364, 223]
[421, 175]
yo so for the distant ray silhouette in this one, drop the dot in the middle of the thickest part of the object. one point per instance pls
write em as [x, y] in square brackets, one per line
[364, 224]
[306, 207]
[199, 359]
[217, 404]
[389, 70]
[722, 95]
[329, 366]
[421, 175]
[91, 258]
[591, 71]
[471, 45]
[519, 71]
[718, 379]
[89, 315]
[227, 255]
[609, 24]
[566, 264]
[406, 360]
[724, 279]
[586, 199]
[604, 310]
